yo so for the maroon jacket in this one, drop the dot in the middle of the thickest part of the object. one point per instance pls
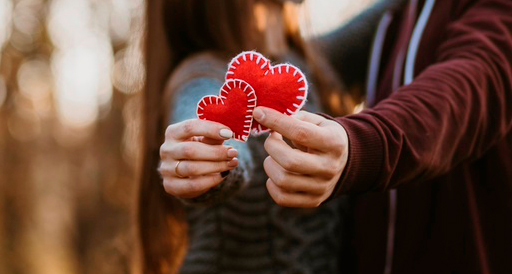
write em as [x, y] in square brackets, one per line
[444, 142]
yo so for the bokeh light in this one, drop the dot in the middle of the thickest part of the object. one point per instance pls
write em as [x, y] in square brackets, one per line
[82, 61]
[82, 81]
[71, 72]
[5, 21]
[128, 75]
[322, 16]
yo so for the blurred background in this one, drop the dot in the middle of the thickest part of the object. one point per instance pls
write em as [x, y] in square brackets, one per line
[71, 77]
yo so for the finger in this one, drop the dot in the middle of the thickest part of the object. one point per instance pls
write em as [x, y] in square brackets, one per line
[211, 141]
[287, 199]
[294, 160]
[291, 182]
[310, 117]
[191, 187]
[299, 146]
[304, 133]
[195, 168]
[197, 151]
[196, 127]
[207, 140]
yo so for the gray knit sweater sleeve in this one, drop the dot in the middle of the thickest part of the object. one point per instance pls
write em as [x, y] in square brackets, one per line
[186, 95]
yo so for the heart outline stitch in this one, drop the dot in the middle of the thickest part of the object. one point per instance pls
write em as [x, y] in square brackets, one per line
[258, 58]
[224, 92]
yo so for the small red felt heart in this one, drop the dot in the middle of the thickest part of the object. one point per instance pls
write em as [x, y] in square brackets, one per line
[282, 87]
[233, 107]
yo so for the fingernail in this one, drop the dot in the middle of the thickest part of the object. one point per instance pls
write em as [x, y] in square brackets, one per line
[232, 152]
[233, 163]
[226, 133]
[258, 114]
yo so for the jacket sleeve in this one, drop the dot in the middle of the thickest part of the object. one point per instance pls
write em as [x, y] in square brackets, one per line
[454, 111]
[186, 92]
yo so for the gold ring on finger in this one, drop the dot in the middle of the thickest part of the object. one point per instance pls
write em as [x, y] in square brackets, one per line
[176, 170]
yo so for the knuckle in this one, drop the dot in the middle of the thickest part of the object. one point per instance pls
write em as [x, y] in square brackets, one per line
[273, 121]
[331, 168]
[169, 131]
[168, 187]
[222, 166]
[164, 172]
[163, 150]
[329, 163]
[188, 152]
[187, 169]
[325, 188]
[274, 191]
[301, 133]
[267, 162]
[336, 143]
[280, 199]
[221, 153]
[280, 180]
[291, 163]
[267, 144]
[188, 126]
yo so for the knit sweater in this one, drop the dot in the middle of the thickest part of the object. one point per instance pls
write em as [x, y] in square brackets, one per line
[236, 227]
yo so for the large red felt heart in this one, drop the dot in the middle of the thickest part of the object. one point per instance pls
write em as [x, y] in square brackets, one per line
[282, 87]
[233, 107]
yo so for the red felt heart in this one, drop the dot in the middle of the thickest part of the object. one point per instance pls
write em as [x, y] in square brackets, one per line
[282, 87]
[233, 107]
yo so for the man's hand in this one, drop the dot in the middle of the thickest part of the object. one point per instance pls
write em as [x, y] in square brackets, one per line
[306, 175]
[193, 157]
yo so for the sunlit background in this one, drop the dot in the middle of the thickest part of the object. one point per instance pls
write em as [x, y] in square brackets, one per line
[71, 77]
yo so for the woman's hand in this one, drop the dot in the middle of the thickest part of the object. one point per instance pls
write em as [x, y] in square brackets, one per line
[193, 157]
[304, 176]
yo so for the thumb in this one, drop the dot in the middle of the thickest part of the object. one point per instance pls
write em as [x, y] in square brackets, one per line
[273, 119]
[304, 133]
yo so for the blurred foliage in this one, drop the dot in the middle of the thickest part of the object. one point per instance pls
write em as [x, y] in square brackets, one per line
[71, 73]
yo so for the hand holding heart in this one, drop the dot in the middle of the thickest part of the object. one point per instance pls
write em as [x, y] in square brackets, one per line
[257, 97]
[252, 81]
[193, 157]
[304, 176]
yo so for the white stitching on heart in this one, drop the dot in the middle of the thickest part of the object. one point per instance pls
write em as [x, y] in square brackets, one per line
[260, 57]
[230, 84]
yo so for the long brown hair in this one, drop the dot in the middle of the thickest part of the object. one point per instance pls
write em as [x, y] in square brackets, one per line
[177, 29]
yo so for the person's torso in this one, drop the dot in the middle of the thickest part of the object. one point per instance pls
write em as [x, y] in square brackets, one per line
[249, 233]
[460, 222]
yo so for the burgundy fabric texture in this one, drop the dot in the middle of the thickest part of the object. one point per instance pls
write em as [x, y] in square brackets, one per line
[445, 143]
[233, 108]
[282, 87]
